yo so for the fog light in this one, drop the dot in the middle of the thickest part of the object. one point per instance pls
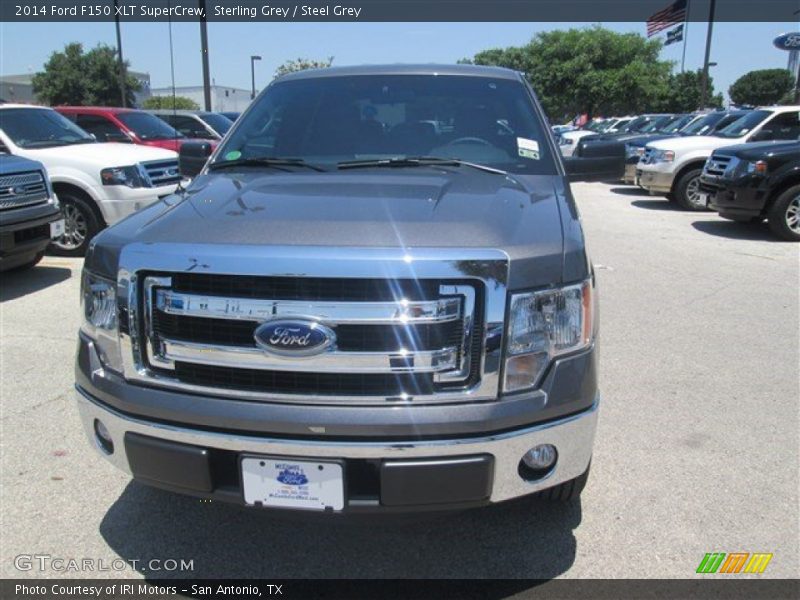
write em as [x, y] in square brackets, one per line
[103, 437]
[537, 462]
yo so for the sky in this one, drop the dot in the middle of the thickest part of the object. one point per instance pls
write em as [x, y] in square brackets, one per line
[24, 48]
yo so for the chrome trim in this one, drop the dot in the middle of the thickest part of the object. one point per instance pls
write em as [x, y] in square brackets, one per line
[487, 267]
[339, 313]
[572, 436]
[465, 352]
[330, 362]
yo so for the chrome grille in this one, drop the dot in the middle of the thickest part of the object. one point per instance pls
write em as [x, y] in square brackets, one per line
[22, 189]
[717, 166]
[648, 156]
[162, 172]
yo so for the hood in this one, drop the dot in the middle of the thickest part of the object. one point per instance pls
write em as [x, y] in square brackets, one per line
[13, 164]
[100, 154]
[642, 140]
[698, 142]
[760, 150]
[377, 208]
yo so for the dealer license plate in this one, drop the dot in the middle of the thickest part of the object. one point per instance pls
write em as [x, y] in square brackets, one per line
[56, 229]
[287, 483]
[703, 199]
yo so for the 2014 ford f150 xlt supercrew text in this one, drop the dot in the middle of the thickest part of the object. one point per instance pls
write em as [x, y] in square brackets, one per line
[375, 296]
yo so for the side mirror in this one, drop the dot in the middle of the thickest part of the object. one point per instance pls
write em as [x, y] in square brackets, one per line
[601, 168]
[192, 157]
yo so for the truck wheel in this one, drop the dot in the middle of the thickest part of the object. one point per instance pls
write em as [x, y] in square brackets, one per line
[81, 224]
[687, 192]
[784, 215]
[567, 491]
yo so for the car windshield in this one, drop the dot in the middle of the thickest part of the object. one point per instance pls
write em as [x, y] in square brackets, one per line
[40, 128]
[147, 126]
[744, 125]
[677, 124]
[704, 125]
[217, 122]
[331, 120]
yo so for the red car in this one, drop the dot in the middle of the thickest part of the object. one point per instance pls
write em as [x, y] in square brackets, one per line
[125, 125]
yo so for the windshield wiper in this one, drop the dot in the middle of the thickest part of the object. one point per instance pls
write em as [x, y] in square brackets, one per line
[416, 161]
[264, 161]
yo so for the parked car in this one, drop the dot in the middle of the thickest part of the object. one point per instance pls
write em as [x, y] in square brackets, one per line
[350, 311]
[231, 116]
[29, 213]
[124, 125]
[196, 124]
[97, 183]
[706, 124]
[673, 166]
[753, 182]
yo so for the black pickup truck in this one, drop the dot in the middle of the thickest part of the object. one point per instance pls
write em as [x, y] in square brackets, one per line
[753, 182]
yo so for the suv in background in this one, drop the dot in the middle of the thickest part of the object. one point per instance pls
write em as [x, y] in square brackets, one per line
[29, 213]
[673, 166]
[124, 125]
[351, 310]
[753, 182]
[97, 183]
[201, 125]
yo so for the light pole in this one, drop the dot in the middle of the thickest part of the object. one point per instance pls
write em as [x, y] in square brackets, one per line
[253, 60]
[704, 83]
[120, 61]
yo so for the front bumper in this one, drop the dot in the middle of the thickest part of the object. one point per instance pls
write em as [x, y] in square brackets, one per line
[22, 240]
[653, 180]
[217, 475]
[741, 198]
[630, 172]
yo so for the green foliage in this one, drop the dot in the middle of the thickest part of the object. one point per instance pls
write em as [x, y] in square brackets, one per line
[593, 70]
[301, 64]
[684, 90]
[759, 88]
[178, 103]
[81, 78]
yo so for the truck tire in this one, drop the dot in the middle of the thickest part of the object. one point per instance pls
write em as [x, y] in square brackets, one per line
[567, 491]
[687, 190]
[784, 215]
[81, 224]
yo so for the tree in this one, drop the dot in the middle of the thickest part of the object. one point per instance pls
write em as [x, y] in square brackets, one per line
[683, 93]
[78, 78]
[301, 64]
[168, 102]
[759, 88]
[592, 70]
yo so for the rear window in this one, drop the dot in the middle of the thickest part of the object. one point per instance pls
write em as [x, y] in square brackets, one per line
[326, 120]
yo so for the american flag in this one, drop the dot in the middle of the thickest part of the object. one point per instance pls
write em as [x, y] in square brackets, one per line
[672, 15]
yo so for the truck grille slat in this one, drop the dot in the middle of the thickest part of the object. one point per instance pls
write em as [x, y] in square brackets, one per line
[162, 172]
[22, 189]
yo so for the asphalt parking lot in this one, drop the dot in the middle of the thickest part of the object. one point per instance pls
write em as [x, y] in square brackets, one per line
[697, 447]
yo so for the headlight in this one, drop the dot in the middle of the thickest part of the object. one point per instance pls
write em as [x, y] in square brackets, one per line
[664, 156]
[130, 176]
[758, 167]
[544, 325]
[566, 141]
[634, 151]
[99, 312]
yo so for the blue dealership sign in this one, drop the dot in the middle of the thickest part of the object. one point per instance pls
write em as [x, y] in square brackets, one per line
[788, 41]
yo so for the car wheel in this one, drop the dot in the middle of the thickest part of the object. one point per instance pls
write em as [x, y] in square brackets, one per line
[670, 197]
[567, 491]
[784, 215]
[81, 224]
[687, 192]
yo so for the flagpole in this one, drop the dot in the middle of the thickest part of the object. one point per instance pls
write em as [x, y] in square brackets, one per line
[685, 35]
[704, 88]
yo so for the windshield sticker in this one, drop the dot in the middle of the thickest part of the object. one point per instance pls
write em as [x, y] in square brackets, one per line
[233, 155]
[528, 148]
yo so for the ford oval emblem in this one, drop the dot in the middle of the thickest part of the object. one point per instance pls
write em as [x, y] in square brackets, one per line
[294, 337]
[788, 41]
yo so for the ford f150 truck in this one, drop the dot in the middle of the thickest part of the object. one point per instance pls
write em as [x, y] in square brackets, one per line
[96, 183]
[673, 166]
[29, 213]
[374, 297]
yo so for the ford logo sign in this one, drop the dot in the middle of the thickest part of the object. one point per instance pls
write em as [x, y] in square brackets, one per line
[294, 337]
[788, 41]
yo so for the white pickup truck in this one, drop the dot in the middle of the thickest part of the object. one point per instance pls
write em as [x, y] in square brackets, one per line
[97, 183]
[673, 166]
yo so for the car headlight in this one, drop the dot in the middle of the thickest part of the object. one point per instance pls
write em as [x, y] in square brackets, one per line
[543, 325]
[758, 167]
[566, 141]
[667, 156]
[129, 176]
[99, 317]
[633, 151]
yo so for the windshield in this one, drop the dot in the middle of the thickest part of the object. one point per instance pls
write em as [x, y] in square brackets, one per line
[40, 128]
[147, 126]
[677, 124]
[744, 125]
[217, 122]
[328, 120]
[704, 125]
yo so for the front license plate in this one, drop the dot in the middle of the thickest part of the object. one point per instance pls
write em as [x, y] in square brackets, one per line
[704, 199]
[56, 229]
[287, 483]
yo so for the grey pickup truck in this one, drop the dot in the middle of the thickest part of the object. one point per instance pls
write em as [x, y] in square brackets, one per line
[373, 297]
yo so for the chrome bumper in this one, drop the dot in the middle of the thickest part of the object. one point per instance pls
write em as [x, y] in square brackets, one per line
[655, 181]
[573, 438]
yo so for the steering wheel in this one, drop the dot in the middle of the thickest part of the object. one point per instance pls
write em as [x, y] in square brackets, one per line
[469, 140]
